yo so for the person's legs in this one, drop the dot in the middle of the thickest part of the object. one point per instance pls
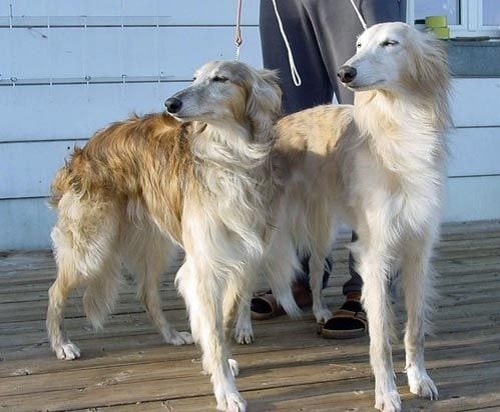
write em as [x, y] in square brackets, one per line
[316, 87]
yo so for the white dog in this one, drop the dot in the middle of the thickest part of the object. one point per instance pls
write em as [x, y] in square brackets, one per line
[379, 166]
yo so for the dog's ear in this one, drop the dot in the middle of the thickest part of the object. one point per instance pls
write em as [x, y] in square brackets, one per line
[263, 104]
[431, 66]
[431, 74]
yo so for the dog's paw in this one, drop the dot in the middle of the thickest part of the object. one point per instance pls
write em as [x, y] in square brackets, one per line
[232, 402]
[244, 335]
[67, 351]
[422, 385]
[388, 401]
[322, 315]
[179, 338]
[235, 369]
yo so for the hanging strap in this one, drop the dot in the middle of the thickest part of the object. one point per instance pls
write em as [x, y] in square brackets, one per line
[297, 81]
[360, 16]
[238, 39]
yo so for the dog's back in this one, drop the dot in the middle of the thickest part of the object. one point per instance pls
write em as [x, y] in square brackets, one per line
[119, 160]
[107, 198]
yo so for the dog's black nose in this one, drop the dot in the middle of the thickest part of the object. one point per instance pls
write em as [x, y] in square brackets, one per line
[173, 105]
[347, 74]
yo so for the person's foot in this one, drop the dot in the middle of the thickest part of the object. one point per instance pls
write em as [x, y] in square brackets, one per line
[265, 306]
[348, 322]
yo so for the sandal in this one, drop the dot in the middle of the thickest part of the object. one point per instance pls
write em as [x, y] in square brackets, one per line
[348, 322]
[264, 305]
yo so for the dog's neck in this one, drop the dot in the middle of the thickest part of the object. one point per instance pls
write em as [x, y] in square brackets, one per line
[234, 180]
[229, 146]
[401, 131]
[394, 114]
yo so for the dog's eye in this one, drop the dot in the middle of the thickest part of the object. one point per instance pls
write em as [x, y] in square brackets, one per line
[386, 43]
[194, 78]
[220, 79]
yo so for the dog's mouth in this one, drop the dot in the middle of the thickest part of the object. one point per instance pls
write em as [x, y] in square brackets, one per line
[359, 87]
[184, 117]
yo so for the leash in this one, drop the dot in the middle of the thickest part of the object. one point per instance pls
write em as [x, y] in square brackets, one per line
[360, 17]
[297, 81]
[238, 39]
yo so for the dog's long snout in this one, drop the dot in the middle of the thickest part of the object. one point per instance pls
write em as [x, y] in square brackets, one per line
[347, 74]
[173, 104]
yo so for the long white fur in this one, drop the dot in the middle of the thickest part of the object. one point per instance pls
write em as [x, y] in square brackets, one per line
[379, 166]
[227, 191]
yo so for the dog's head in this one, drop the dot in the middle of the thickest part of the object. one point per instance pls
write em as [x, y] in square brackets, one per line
[398, 58]
[228, 92]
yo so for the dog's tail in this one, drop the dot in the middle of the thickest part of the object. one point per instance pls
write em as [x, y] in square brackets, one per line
[63, 179]
[100, 296]
[281, 267]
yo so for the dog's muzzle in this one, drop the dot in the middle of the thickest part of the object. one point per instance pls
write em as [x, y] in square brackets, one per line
[173, 105]
[346, 74]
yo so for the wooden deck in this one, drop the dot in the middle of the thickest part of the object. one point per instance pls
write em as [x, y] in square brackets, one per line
[126, 367]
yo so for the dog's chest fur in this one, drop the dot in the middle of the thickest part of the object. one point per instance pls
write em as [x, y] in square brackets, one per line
[228, 199]
[402, 162]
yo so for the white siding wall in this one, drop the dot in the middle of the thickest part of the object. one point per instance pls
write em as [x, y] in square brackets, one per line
[69, 68]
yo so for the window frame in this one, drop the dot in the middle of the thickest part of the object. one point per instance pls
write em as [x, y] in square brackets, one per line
[471, 20]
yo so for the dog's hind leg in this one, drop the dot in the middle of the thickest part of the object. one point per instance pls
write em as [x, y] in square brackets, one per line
[316, 270]
[146, 253]
[67, 280]
[319, 230]
[374, 271]
[85, 256]
[204, 292]
[417, 280]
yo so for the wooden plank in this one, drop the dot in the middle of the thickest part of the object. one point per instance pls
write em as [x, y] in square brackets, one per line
[287, 368]
[342, 396]
[171, 369]
[35, 310]
[115, 390]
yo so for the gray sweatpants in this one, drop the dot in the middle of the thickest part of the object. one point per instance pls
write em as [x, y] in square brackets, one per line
[322, 35]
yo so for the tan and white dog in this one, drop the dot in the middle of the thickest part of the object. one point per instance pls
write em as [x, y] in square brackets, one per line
[379, 166]
[142, 186]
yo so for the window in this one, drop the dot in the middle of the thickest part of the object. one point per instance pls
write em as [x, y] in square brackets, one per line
[466, 18]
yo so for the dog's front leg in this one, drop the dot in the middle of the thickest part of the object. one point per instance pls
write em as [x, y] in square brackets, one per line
[417, 278]
[375, 296]
[204, 294]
